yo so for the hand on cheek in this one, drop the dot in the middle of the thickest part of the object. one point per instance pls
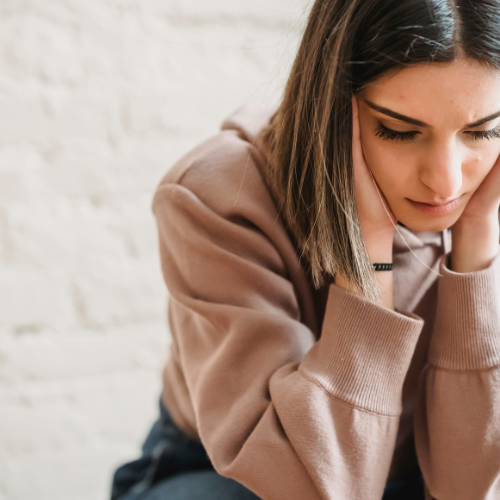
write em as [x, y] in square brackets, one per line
[476, 233]
[374, 216]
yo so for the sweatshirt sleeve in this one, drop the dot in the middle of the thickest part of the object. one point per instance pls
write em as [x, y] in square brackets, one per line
[286, 415]
[457, 427]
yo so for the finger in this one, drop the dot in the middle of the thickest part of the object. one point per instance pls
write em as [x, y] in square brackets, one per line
[360, 166]
[489, 190]
[486, 198]
[366, 182]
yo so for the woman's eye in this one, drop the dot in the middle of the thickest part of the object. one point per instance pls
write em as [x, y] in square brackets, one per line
[392, 135]
[494, 133]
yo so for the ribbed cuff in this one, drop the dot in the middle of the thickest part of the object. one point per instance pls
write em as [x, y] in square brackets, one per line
[364, 352]
[467, 329]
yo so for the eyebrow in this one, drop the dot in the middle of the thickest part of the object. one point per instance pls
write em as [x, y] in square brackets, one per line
[418, 123]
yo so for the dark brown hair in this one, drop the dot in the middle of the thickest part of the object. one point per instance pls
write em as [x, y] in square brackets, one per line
[346, 45]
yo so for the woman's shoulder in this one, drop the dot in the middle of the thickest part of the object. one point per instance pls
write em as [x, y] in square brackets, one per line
[229, 168]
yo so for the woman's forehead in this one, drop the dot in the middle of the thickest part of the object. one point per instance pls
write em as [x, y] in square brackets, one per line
[455, 93]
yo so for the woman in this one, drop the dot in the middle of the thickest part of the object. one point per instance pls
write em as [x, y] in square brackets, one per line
[299, 369]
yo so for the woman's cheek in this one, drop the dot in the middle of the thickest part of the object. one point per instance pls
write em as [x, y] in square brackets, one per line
[375, 154]
[392, 164]
[479, 166]
[387, 166]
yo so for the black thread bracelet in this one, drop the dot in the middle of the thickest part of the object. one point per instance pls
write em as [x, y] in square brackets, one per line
[382, 267]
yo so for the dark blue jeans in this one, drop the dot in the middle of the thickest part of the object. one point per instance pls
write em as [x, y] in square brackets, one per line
[175, 467]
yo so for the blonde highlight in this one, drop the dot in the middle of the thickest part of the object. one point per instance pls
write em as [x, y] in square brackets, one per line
[347, 44]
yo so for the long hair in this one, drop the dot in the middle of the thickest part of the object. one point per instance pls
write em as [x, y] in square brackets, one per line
[346, 45]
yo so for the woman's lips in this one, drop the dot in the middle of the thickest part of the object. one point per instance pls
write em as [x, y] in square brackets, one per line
[435, 210]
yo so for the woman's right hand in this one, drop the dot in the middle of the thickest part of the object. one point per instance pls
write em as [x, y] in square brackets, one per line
[375, 219]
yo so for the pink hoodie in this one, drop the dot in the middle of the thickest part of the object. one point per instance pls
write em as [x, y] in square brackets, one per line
[304, 394]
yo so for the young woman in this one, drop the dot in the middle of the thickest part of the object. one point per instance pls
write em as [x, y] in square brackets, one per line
[334, 274]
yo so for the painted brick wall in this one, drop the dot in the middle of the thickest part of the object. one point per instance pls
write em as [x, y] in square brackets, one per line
[97, 99]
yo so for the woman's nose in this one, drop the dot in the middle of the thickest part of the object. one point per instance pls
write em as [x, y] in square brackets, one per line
[441, 170]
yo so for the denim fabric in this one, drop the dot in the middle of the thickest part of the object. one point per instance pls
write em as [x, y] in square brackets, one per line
[175, 467]
[411, 488]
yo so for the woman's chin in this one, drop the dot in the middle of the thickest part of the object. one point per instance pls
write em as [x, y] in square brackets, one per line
[424, 224]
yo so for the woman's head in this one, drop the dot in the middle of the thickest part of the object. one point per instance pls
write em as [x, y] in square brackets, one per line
[430, 135]
[436, 61]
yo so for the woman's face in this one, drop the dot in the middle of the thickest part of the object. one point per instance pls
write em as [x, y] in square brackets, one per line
[430, 135]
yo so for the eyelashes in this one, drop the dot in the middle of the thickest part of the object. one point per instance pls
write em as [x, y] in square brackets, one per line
[487, 134]
[392, 135]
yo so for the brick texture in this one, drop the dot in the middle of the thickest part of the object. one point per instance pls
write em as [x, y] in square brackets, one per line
[98, 98]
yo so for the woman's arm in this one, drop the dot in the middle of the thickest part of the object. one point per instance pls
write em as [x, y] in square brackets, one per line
[285, 414]
[457, 426]
[458, 416]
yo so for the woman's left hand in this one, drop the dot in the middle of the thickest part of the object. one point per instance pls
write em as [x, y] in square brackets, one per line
[476, 234]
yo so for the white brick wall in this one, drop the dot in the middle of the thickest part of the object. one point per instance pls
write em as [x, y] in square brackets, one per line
[98, 98]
